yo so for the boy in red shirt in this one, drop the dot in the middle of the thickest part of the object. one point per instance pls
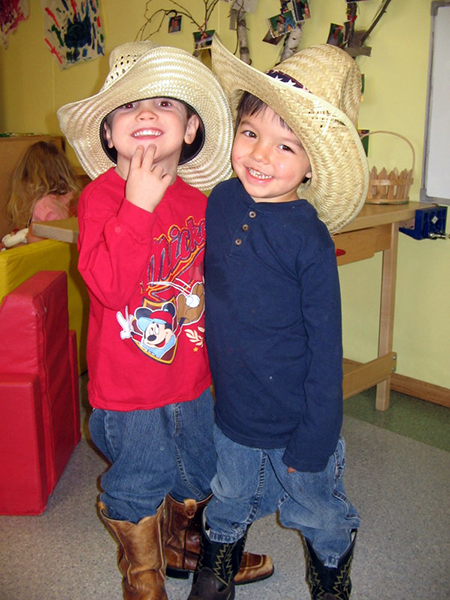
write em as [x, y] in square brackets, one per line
[159, 128]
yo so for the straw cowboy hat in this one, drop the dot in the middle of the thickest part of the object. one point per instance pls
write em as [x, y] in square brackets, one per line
[141, 70]
[317, 93]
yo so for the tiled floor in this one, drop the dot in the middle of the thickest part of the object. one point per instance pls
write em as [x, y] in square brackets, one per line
[417, 419]
[398, 475]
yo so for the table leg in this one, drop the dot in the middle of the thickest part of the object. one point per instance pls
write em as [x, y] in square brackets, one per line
[386, 330]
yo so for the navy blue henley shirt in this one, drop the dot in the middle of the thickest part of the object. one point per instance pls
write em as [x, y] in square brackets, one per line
[273, 325]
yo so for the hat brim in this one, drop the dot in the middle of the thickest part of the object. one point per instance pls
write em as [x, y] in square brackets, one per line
[163, 71]
[340, 177]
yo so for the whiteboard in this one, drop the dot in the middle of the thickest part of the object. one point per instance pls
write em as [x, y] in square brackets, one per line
[436, 164]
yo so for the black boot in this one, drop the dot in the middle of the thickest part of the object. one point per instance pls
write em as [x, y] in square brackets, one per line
[217, 565]
[326, 583]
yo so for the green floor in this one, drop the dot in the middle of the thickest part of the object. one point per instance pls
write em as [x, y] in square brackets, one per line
[422, 421]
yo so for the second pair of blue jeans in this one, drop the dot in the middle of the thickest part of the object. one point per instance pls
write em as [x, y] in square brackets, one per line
[253, 482]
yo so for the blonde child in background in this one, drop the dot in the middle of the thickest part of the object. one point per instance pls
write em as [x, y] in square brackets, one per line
[44, 187]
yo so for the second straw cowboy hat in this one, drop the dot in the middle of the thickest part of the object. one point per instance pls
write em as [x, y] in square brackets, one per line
[140, 70]
[317, 93]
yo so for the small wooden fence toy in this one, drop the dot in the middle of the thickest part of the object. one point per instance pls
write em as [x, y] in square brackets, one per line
[393, 187]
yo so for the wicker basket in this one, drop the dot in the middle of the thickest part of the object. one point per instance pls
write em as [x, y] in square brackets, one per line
[392, 188]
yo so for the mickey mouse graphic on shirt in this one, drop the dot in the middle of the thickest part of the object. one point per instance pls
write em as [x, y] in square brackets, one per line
[155, 328]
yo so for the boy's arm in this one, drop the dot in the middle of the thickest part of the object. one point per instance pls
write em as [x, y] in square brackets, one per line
[316, 437]
[115, 243]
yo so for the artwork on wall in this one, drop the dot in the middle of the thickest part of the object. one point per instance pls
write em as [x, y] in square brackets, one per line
[293, 14]
[281, 24]
[73, 30]
[301, 10]
[203, 39]
[12, 12]
[175, 24]
[270, 39]
[336, 37]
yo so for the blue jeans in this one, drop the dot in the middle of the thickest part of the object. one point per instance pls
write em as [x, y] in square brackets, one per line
[154, 453]
[251, 483]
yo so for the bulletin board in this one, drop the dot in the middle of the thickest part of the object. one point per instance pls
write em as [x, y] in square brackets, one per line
[436, 164]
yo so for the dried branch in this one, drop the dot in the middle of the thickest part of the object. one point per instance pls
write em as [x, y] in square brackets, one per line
[209, 6]
[291, 42]
[209, 9]
[141, 34]
[355, 39]
[244, 52]
[380, 13]
[350, 25]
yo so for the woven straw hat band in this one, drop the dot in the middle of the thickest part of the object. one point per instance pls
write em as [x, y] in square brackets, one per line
[330, 76]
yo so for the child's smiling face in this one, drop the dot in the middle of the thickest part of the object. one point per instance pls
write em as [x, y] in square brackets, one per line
[268, 158]
[162, 122]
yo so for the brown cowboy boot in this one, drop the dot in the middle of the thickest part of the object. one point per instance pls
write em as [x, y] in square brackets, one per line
[182, 531]
[141, 555]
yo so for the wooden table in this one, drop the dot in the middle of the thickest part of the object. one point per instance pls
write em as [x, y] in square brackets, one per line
[375, 229]
[64, 230]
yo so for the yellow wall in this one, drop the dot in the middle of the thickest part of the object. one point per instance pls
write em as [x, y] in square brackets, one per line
[33, 87]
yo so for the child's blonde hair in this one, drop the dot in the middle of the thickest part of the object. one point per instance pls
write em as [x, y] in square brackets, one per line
[43, 169]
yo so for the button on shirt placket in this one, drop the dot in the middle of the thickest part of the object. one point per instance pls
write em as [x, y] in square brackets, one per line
[244, 228]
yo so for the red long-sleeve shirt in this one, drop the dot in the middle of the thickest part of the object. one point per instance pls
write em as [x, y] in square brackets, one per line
[144, 273]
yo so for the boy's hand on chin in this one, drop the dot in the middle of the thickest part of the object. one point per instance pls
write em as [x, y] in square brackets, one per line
[146, 184]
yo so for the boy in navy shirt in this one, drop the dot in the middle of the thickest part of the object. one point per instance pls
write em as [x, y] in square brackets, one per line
[273, 319]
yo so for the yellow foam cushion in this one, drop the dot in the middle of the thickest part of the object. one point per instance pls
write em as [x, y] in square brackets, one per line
[18, 264]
